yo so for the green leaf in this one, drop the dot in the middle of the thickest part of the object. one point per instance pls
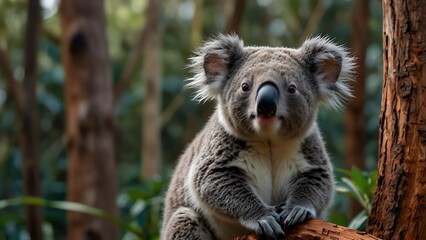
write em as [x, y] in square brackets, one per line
[372, 180]
[358, 220]
[337, 217]
[359, 179]
[357, 193]
[343, 189]
[70, 206]
[138, 207]
[344, 171]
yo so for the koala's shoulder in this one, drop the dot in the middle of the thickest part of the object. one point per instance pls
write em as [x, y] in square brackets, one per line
[313, 148]
[216, 144]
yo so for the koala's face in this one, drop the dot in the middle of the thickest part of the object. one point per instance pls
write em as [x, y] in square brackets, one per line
[269, 93]
[265, 92]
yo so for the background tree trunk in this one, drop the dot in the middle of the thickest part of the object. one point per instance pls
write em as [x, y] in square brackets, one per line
[197, 23]
[354, 118]
[28, 117]
[399, 207]
[151, 135]
[234, 21]
[89, 117]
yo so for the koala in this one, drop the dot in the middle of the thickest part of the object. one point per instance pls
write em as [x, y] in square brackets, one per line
[260, 163]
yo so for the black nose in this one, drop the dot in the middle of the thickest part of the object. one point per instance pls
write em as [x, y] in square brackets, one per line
[267, 99]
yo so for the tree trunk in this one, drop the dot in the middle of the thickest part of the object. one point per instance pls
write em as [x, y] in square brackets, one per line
[28, 117]
[89, 117]
[354, 118]
[151, 135]
[197, 23]
[399, 207]
[234, 21]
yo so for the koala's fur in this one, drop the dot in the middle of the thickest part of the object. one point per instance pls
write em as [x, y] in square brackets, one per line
[248, 172]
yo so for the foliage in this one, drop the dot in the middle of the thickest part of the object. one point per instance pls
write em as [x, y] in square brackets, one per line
[141, 209]
[265, 22]
[142, 205]
[70, 206]
[360, 186]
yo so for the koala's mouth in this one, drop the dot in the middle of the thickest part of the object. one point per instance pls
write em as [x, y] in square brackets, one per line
[267, 121]
[266, 124]
[255, 117]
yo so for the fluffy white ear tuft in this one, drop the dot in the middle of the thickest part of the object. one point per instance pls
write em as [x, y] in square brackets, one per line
[212, 65]
[332, 67]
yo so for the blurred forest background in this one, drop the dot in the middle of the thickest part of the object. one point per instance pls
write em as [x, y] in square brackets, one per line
[184, 25]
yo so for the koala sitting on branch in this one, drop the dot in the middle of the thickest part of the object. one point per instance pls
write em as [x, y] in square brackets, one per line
[260, 163]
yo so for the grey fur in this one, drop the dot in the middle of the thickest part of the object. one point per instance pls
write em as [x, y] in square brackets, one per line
[243, 173]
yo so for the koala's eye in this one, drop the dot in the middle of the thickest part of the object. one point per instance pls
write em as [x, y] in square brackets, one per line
[292, 89]
[245, 87]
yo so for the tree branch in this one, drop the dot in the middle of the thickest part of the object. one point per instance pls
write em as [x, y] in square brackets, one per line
[172, 108]
[317, 229]
[313, 21]
[132, 61]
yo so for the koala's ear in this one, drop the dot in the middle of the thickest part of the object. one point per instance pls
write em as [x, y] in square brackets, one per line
[212, 64]
[332, 68]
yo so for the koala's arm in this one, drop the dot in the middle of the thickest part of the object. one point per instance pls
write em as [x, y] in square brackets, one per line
[310, 191]
[223, 189]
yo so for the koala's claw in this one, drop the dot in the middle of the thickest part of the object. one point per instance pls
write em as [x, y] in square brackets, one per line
[269, 227]
[292, 216]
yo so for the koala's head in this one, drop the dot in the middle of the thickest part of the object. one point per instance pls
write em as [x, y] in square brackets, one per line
[265, 92]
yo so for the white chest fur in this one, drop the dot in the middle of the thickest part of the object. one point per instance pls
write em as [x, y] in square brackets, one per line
[270, 167]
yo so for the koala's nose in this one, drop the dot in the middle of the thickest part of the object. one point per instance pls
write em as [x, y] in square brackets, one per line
[266, 100]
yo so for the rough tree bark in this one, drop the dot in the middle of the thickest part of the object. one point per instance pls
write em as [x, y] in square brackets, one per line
[151, 130]
[399, 207]
[316, 229]
[354, 118]
[28, 117]
[89, 117]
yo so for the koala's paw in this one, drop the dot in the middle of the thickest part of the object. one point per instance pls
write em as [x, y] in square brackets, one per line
[268, 226]
[290, 216]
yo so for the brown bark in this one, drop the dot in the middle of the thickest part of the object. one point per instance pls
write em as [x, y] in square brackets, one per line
[354, 118]
[151, 141]
[399, 207]
[317, 229]
[234, 22]
[89, 117]
[28, 117]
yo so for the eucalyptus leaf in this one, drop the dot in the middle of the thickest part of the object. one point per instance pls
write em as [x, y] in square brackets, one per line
[359, 179]
[357, 193]
[358, 220]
